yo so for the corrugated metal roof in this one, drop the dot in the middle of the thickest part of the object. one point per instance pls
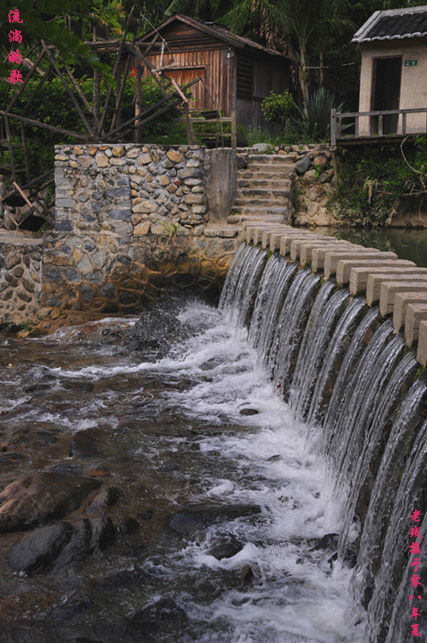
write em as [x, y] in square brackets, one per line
[395, 24]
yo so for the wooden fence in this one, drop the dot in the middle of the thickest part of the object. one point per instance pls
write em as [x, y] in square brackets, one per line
[379, 124]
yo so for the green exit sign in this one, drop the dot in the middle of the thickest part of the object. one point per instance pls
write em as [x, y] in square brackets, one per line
[411, 63]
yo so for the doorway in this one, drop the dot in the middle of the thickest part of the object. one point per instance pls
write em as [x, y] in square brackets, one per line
[386, 91]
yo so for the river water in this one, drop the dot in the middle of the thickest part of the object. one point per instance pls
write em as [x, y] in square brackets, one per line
[231, 493]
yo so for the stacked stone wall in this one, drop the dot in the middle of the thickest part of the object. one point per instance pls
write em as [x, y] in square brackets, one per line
[20, 279]
[131, 190]
[131, 220]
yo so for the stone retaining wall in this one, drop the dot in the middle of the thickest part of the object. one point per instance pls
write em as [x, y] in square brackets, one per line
[102, 274]
[131, 219]
[398, 287]
[20, 278]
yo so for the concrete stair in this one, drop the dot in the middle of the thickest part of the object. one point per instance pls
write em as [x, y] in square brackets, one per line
[264, 187]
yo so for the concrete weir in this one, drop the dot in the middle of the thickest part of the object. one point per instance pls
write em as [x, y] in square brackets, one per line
[398, 287]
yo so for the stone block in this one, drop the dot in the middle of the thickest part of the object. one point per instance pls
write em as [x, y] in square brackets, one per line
[344, 266]
[333, 258]
[145, 207]
[390, 274]
[298, 243]
[389, 289]
[359, 275]
[422, 343]
[415, 314]
[142, 229]
[400, 305]
[174, 156]
[102, 160]
[306, 250]
[118, 151]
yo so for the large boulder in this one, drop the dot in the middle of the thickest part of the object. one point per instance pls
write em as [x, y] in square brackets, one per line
[39, 497]
[37, 551]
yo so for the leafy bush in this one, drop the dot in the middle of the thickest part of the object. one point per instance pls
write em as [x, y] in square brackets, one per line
[278, 108]
[53, 106]
[314, 123]
[373, 183]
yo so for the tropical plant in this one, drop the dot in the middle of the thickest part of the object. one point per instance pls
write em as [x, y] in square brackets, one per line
[314, 122]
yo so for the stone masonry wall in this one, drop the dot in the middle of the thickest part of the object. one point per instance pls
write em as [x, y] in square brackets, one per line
[131, 190]
[130, 220]
[20, 279]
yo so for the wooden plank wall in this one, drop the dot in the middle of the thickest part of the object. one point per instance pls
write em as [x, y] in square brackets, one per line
[214, 66]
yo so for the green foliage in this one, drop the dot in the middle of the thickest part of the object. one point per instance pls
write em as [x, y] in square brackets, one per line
[374, 182]
[278, 108]
[60, 112]
[314, 123]
[45, 20]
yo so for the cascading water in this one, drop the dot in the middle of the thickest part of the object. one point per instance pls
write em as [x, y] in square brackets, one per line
[273, 467]
[347, 373]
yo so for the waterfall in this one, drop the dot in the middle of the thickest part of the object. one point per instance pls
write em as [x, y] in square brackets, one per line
[344, 372]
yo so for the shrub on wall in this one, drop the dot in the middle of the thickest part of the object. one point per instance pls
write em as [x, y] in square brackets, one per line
[375, 181]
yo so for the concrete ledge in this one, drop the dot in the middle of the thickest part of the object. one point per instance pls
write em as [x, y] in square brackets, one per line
[359, 275]
[332, 260]
[415, 314]
[375, 280]
[400, 306]
[389, 289]
[422, 344]
[299, 243]
[319, 255]
[399, 286]
[266, 236]
[344, 266]
[306, 251]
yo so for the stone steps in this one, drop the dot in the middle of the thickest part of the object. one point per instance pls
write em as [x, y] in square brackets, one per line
[263, 193]
[280, 183]
[260, 211]
[264, 186]
[268, 169]
[271, 158]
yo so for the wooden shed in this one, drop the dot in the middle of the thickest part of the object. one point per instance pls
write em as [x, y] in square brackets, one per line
[237, 73]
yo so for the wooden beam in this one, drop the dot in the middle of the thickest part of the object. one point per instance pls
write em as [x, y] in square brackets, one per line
[116, 68]
[80, 93]
[36, 91]
[27, 78]
[24, 147]
[68, 90]
[24, 196]
[52, 128]
[149, 109]
[9, 144]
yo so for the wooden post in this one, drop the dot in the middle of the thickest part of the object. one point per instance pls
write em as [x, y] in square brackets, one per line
[138, 100]
[9, 144]
[190, 133]
[115, 73]
[233, 131]
[404, 123]
[380, 125]
[24, 147]
[333, 127]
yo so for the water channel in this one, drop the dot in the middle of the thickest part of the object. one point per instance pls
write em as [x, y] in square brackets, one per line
[240, 447]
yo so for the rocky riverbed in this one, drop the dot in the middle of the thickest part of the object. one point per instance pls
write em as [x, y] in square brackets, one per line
[153, 487]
